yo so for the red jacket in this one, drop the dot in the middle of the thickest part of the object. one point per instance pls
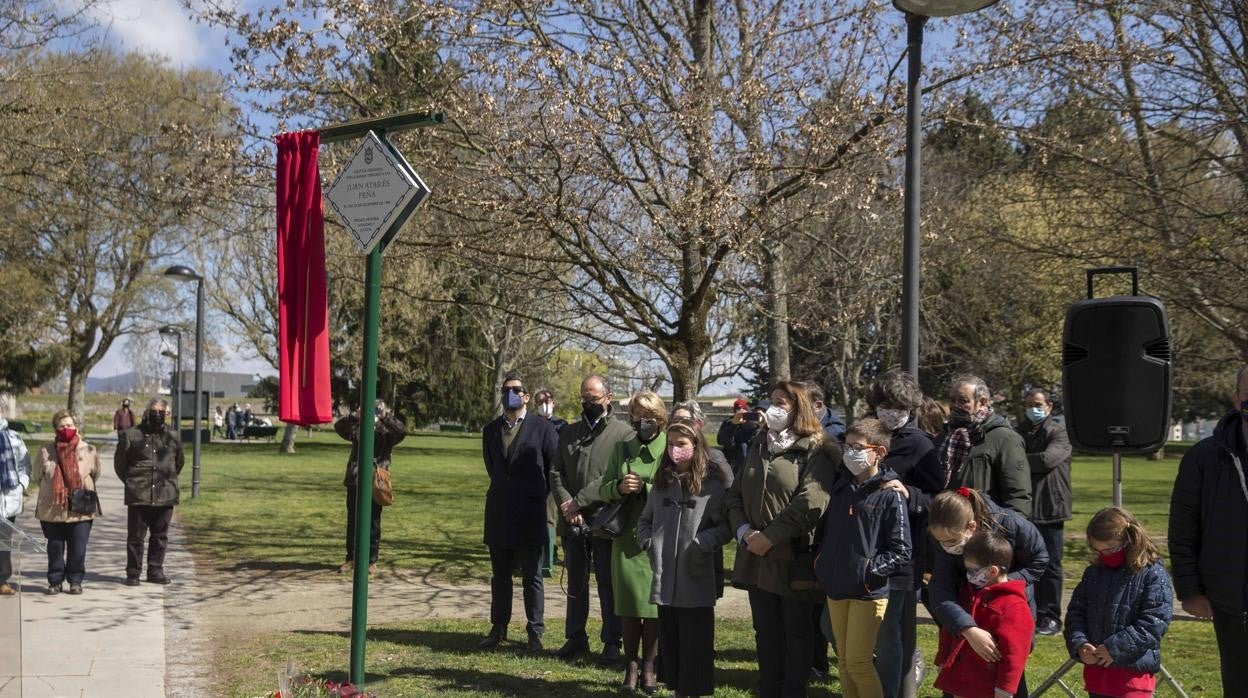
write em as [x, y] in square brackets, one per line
[1003, 611]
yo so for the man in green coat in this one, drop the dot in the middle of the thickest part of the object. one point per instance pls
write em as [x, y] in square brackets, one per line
[585, 448]
[980, 450]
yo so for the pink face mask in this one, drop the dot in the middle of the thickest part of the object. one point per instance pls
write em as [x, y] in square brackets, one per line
[680, 454]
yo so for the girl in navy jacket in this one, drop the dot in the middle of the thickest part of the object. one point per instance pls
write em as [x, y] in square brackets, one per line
[1120, 609]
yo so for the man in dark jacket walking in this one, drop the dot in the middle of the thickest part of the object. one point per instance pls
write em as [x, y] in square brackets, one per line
[980, 450]
[518, 451]
[585, 448]
[388, 432]
[1209, 536]
[148, 462]
[1048, 455]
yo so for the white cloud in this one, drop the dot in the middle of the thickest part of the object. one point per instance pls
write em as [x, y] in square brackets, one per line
[154, 26]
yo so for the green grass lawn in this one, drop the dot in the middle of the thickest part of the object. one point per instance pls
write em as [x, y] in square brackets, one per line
[435, 526]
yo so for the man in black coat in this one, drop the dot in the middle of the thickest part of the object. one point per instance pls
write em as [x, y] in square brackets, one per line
[518, 450]
[1209, 536]
[148, 462]
[388, 431]
[1048, 454]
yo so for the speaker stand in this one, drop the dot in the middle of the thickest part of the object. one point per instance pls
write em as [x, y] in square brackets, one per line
[1056, 677]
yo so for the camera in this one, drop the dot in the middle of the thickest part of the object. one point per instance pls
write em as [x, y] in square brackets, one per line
[753, 417]
[582, 531]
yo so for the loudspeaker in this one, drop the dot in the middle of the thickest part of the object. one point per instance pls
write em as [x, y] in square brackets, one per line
[1116, 374]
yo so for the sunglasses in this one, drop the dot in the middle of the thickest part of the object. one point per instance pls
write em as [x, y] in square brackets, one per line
[517, 389]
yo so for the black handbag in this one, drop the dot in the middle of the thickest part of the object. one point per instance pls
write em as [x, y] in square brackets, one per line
[612, 517]
[84, 501]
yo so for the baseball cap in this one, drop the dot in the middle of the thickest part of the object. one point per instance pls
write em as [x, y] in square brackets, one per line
[740, 404]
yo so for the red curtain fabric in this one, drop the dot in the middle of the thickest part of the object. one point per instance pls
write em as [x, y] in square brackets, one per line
[303, 306]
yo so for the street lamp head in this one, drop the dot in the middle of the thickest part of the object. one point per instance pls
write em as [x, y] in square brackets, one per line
[170, 353]
[940, 8]
[182, 272]
[169, 330]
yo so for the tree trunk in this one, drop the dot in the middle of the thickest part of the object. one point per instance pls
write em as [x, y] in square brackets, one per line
[684, 381]
[77, 390]
[777, 317]
[288, 440]
[8, 405]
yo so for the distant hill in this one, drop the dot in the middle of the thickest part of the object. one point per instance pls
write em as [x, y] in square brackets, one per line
[122, 383]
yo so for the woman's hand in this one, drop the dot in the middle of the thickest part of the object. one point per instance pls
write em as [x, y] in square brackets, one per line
[1087, 653]
[896, 486]
[629, 485]
[981, 641]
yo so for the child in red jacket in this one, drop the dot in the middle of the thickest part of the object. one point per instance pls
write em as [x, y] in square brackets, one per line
[999, 606]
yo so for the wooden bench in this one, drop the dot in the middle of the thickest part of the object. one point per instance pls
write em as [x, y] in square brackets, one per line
[259, 432]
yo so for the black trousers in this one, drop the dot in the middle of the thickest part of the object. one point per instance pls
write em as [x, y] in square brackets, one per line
[783, 636]
[1049, 587]
[67, 550]
[6, 560]
[374, 540]
[687, 645]
[581, 550]
[502, 562]
[1231, 630]
[141, 520]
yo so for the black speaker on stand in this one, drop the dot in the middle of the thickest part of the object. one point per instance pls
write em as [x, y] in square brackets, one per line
[1115, 387]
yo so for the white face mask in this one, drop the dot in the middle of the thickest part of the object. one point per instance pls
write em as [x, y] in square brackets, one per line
[777, 418]
[978, 578]
[858, 462]
[546, 409]
[892, 419]
[956, 549]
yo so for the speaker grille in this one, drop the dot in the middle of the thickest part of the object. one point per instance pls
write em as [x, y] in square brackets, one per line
[1072, 353]
[1159, 349]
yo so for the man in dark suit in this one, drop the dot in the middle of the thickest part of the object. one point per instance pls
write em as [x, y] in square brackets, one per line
[518, 451]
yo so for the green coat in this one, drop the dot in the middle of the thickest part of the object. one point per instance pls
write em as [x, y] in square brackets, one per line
[770, 496]
[631, 575]
[584, 454]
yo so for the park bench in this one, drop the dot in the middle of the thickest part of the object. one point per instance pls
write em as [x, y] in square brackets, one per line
[257, 432]
[25, 427]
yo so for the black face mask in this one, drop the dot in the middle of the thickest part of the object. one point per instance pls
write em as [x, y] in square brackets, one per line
[155, 419]
[647, 429]
[958, 418]
[592, 410]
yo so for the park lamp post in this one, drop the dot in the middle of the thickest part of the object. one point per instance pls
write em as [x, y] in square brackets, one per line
[917, 14]
[175, 385]
[180, 272]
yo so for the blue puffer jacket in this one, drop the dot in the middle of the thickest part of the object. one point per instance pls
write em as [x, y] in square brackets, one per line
[1126, 612]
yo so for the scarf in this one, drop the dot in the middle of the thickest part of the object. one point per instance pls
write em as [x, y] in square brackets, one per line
[778, 443]
[8, 461]
[66, 478]
[958, 446]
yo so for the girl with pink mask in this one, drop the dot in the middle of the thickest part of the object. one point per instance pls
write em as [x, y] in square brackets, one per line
[682, 526]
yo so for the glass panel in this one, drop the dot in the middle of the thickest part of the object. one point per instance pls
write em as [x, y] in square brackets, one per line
[13, 543]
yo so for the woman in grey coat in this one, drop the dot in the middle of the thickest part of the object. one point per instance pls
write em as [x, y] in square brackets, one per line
[682, 526]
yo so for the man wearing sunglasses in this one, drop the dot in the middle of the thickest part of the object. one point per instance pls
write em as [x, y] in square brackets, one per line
[518, 450]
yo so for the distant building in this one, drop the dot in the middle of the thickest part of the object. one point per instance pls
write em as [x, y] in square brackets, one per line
[218, 384]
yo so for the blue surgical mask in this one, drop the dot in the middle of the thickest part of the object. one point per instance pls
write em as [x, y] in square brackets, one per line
[512, 400]
[1036, 414]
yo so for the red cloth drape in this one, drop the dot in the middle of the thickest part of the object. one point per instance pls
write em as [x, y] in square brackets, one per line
[303, 307]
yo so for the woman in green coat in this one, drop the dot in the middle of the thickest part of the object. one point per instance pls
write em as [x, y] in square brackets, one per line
[630, 472]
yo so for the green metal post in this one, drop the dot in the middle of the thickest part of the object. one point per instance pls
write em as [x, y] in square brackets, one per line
[364, 486]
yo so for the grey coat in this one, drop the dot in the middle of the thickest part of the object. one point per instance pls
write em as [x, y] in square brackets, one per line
[681, 531]
[1048, 454]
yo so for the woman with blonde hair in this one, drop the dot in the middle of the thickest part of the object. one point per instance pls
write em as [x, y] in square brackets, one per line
[774, 507]
[67, 468]
[631, 471]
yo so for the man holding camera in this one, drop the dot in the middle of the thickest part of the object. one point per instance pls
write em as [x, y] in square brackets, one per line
[737, 431]
[585, 447]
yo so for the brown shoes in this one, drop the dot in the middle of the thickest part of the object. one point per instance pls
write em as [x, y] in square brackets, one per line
[372, 569]
[535, 644]
[494, 639]
[6, 590]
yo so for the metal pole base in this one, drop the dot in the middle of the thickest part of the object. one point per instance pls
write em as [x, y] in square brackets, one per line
[1056, 678]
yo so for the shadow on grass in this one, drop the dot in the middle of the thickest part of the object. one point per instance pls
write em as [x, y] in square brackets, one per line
[520, 686]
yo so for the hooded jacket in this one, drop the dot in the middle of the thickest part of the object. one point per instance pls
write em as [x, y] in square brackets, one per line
[949, 571]
[1001, 609]
[1209, 519]
[1127, 611]
[1048, 456]
[866, 538]
[997, 465]
[680, 531]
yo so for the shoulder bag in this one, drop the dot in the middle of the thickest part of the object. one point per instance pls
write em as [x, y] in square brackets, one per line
[612, 517]
[84, 501]
[383, 491]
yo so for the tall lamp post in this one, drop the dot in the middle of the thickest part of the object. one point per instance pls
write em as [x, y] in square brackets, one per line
[917, 14]
[185, 273]
[175, 386]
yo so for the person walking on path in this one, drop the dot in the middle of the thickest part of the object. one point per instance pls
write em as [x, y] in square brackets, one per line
[388, 432]
[585, 448]
[683, 521]
[148, 462]
[630, 472]
[14, 481]
[123, 418]
[518, 450]
[1048, 455]
[218, 423]
[66, 467]
[774, 506]
[1209, 536]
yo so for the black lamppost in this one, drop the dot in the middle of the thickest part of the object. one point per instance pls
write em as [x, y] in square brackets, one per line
[175, 385]
[184, 273]
[917, 13]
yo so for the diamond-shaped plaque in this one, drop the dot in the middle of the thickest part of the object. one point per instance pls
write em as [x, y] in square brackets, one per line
[373, 191]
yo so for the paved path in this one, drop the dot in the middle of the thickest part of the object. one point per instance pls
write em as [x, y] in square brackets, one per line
[110, 641]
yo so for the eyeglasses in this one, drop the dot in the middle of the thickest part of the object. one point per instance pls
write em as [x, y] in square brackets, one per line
[517, 389]
[859, 448]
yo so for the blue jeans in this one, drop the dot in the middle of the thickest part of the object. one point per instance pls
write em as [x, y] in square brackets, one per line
[67, 550]
[894, 646]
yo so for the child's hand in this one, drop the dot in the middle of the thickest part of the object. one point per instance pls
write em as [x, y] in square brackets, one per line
[1103, 656]
[1087, 653]
[982, 643]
